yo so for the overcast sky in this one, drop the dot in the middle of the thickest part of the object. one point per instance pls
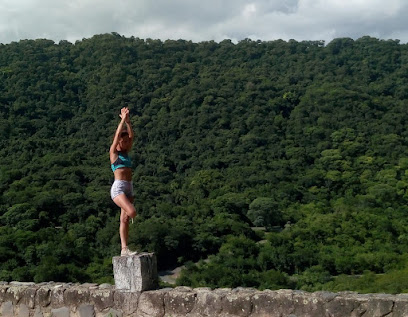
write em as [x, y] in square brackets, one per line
[203, 20]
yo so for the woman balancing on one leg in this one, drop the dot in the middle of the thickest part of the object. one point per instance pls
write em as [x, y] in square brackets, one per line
[122, 188]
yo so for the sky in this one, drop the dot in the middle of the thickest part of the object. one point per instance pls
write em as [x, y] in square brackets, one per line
[204, 20]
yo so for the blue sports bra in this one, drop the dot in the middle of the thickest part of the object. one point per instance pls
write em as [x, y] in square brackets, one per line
[123, 160]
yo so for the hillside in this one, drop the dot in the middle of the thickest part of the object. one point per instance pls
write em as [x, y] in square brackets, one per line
[306, 139]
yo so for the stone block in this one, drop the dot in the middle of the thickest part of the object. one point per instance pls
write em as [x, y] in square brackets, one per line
[113, 313]
[102, 299]
[179, 302]
[237, 304]
[135, 273]
[28, 296]
[85, 310]
[76, 295]
[7, 309]
[151, 304]
[14, 294]
[43, 296]
[272, 303]
[38, 313]
[23, 311]
[126, 302]
[308, 305]
[345, 306]
[57, 296]
[60, 312]
[207, 304]
[3, 291]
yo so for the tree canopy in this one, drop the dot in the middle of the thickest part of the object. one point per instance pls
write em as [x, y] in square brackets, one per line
[305, 141]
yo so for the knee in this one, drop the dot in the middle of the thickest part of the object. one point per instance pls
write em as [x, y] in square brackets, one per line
[132, 213]
[124, 218]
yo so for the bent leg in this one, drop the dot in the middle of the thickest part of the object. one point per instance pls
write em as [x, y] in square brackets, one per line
[124, 203]
[127, 211]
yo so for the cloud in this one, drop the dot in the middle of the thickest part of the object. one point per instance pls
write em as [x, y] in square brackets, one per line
[203, 20]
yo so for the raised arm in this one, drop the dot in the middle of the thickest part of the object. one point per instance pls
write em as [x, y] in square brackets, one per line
[129, 127]
[124, 112]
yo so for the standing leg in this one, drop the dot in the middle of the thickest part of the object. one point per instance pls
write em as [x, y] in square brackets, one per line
[127, 211]
[124, 228]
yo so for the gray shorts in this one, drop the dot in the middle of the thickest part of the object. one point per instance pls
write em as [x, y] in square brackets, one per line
[122, 187]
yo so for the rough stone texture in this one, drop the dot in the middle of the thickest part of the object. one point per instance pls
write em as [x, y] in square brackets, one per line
[38, 313]
[43, 296]
[272, 303]
[28, 296]
[236, 304]
[60, 312]
[14, 294]
[57, 296]
[207, 303]
[112, 313]
[179, 302]
[76, 295]
[102, 299]
[135, 273]
[86, 311]
[126, 301]
[308, 305]
[151, 304]
[7, 309]
[23, 311]
[65, 300]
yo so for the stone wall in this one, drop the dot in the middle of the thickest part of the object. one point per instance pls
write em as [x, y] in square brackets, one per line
[88, 300]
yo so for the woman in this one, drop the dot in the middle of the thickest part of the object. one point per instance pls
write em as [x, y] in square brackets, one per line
[122, 187]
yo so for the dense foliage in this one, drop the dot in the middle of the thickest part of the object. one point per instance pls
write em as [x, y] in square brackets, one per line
[305, 139]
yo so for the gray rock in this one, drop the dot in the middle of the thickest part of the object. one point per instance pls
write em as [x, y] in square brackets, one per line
[237, 304]
[183, 289]
[308, 305]
[344, 306]
[76, 295]
[28, 296]
[23, 311]
[272, 303]
[43, 297]
[135, 273]
[3, 290]
[151, 304]
[102, 299]
[207, 303]
[60, 312]
[14, 294]
[38, 313]
[3, 283]
[105, 286]
[378, 307]
[126, 301]
[400, 307]
[113, 313]
[86, 311]
[14, 283]
[7, 309]
[57, 296]
[179, 302]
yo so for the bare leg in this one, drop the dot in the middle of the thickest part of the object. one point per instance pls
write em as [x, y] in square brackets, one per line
[127, 211]
[124, 228]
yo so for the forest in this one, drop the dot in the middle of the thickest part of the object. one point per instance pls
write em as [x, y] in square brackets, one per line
[266, 164]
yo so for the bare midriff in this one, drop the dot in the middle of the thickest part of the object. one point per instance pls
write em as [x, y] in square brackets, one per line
[123, 173]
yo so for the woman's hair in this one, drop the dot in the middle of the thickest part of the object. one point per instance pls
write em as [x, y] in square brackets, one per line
[123, 134]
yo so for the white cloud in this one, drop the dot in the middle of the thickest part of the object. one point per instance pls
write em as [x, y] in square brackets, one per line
[204, 20]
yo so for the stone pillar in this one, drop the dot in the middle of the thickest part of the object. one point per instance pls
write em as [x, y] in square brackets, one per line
[135, 273]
